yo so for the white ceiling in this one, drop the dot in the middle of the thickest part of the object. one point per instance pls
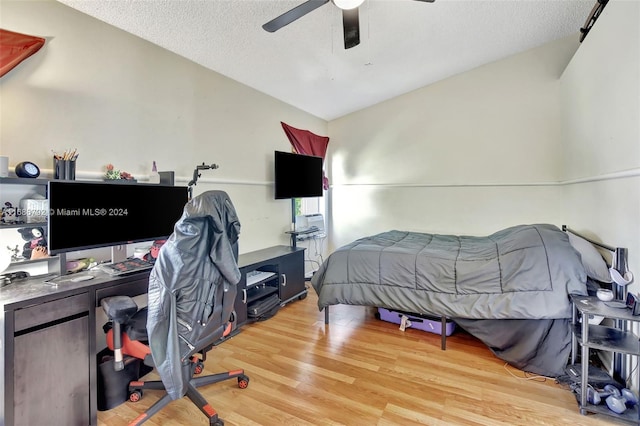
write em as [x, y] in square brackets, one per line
[405, 44]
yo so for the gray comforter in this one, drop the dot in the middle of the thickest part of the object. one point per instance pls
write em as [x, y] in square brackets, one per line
[509, 289]
[525, 271]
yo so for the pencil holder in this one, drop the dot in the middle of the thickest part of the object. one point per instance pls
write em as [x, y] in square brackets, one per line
[58, 169]
[64, 169]
[70, 169]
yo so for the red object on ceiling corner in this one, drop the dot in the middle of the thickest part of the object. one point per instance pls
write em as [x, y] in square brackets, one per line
[308, 143]
[15, 48]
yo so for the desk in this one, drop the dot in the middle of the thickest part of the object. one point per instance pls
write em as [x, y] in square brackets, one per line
[48, 348]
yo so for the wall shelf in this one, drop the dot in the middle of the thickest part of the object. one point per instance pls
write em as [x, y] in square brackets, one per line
[23, 181]
[17, 225]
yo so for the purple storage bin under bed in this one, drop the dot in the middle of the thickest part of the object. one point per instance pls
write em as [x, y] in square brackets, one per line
[421, 322]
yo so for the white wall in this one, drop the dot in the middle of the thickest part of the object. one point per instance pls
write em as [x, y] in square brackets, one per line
[469, 155]
[601, 132]
[121, 100]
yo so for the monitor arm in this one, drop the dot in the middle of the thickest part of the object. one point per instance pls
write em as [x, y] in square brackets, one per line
[196, 175]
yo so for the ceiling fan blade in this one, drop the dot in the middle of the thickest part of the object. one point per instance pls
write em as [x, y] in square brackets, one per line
[351, 25]
[427, 1]
[295, 13]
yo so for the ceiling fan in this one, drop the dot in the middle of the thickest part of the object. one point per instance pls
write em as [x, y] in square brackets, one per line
[350, 20]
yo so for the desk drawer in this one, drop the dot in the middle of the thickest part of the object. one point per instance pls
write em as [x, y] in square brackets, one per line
[51, 311]
[131, 289]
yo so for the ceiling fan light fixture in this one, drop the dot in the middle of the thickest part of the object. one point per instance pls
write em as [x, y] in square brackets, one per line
[347, 4]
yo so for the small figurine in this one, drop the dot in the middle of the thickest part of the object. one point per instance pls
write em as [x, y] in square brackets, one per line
[14, 253]
[9, 213]
[35, 238]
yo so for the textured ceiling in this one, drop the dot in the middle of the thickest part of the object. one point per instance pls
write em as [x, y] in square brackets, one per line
[404, 45]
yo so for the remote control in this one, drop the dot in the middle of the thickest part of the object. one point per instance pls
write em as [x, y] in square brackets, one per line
[81, 278]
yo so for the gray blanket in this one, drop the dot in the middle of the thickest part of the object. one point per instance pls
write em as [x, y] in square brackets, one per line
[509, 289]
[538, 346]
[522, 272]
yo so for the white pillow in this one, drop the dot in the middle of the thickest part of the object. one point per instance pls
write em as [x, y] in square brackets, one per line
[593, 262]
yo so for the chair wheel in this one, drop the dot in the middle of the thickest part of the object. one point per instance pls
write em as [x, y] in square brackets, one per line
[198, 368]
[217, 422]
[243, 382]
[135, 396]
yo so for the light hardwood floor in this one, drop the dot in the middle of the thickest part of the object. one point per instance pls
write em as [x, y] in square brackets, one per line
[362, 371]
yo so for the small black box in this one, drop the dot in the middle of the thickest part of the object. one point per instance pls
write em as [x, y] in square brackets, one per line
[167, 178]
[113, 386]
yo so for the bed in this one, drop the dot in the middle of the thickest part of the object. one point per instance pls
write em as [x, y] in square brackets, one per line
[510, 289]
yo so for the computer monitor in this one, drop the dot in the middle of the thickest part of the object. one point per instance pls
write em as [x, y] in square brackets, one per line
[85, 215]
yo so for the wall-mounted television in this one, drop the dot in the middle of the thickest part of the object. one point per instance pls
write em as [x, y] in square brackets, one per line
[85, 215]
[297, 176]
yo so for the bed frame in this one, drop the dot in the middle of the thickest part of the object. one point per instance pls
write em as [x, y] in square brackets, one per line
[620, 255]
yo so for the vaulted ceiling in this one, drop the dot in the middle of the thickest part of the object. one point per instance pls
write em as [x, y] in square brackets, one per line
[404, 44]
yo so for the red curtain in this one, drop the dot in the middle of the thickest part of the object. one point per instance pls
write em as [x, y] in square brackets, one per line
[307, 143]
[15, 48]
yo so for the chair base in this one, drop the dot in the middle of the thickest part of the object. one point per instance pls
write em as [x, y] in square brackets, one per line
[135, 393]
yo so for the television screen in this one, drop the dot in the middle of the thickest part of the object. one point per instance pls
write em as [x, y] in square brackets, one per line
[86, 215]
[297, 176]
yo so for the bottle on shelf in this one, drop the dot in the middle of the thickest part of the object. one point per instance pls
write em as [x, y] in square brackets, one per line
[154, 177]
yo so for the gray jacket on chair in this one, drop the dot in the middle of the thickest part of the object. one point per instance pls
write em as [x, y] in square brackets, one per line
[192, 287]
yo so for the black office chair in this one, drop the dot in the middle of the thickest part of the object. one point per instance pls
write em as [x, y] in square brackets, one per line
[192, 291]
